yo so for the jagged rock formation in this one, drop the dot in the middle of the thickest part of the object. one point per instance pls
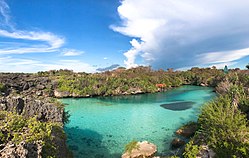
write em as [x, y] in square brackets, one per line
[30, 95]
[22, 150]
[27, 84]
[29, 106]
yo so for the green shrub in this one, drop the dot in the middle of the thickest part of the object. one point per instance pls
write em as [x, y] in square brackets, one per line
[191, 150]
[2, 87]
[132, 145]
[236, 91]
[224, 128]
[247, 66]
[65, 117]
[16, 128]
[244, 104]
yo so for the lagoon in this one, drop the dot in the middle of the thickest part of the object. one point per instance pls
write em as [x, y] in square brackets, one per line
[100, 127]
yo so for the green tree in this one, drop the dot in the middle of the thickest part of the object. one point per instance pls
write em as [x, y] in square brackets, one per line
[247, 66]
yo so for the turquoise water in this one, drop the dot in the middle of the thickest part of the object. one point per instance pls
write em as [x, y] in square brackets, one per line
[101, 127]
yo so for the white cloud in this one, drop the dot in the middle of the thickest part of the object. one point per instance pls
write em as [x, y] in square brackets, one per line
[105, 58]
[71, 52]
[226, 56]
[175, 33]
[45, 41]
[52, 42]
[4, 14]
[27, 41]
[132, 53]
[9, 64]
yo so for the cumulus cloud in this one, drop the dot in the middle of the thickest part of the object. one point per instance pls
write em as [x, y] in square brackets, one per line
[175, 33]
[71, 52]
[132, 53]
[9, 64]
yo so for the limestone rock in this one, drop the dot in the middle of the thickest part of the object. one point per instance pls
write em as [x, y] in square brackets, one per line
[203, 84]
[22, 150]
[14, 104]
[206, 152]
[44, 110]
[29, 107]
[29, 95]
[187, 130]
[59, 94]
[177, 143]
[39, 93]
[145, 149]
[25, 86]
[40, 87]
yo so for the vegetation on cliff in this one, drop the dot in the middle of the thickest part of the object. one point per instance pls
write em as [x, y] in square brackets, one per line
[131, 81]
[16, 129]
[223, 123]
[224, 128]
[31, 121]
[2, 88]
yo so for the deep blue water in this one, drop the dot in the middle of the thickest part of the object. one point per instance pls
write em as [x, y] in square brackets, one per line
[101, 127]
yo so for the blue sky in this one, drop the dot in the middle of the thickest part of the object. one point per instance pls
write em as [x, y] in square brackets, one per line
[85, 35]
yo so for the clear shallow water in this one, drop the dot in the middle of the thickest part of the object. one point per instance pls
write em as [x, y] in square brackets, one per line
[101, 127]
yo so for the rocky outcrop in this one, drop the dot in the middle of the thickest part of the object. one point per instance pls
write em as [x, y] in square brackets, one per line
[13, 104]
[64, 94]
[36, 149]
[187, 130]
[204, 84]
[30, 107]
[177, 143]
[22, 150]
[30, 95]
[26, 84]
[206, 152]
[145, 149]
